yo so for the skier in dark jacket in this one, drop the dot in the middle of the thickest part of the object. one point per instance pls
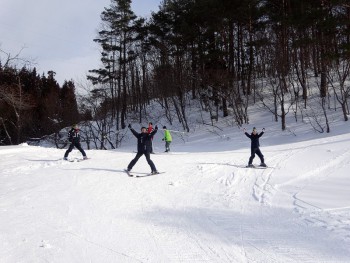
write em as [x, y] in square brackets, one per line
[254, 137]
[144, 147]
[74, 139]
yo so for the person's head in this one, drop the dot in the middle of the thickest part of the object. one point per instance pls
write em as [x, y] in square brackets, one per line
[164, 127]
[150, 124]
[254, 130]
[143, 129]
[75, 127]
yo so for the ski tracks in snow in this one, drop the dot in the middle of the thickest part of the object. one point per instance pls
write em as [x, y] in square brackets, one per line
[250, 241]
[278, 234]
[335, 220]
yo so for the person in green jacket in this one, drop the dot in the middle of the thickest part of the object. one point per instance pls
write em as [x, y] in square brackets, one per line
[167, 138]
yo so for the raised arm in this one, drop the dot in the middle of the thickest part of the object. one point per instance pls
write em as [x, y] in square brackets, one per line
[261, 133]
[133, 131]
[154, 131]
[246, 133]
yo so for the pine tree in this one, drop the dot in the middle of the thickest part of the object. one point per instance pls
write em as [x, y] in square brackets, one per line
[116, 40]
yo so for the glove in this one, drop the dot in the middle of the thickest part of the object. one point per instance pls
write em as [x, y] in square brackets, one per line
[129, 126]
[244, 129]
[263, 129]
[163, 139]
[156, 128]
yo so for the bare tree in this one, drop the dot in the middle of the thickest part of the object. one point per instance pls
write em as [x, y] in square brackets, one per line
[7, 59]
[338, 80]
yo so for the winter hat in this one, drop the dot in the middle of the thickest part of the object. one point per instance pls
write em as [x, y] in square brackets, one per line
[164, 127]
[75, 126]
[254, 129]
[143, 128]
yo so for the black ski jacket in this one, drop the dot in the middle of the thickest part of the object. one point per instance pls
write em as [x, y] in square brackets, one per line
[74, 136]
[144, 143]
[254, 139]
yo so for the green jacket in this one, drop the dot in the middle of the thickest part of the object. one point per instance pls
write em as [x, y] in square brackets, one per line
[167, 136]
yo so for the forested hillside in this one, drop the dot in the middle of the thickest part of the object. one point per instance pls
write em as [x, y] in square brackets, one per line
[291, 57]
[32, 106]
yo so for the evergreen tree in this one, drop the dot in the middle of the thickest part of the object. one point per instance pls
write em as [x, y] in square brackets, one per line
[70, 114]
[116, 40]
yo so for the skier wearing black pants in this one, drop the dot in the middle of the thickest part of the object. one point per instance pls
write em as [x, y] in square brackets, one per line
[144, 147]
[74, 139]
[254, 137]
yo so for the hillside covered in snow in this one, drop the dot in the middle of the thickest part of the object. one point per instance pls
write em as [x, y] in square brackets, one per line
[206, 207]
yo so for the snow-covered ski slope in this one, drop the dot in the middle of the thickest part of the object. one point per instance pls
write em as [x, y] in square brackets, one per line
[205, 208]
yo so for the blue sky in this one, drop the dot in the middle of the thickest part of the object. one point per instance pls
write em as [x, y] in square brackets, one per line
[57, 34]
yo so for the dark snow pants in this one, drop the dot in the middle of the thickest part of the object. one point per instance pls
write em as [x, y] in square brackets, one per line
[258, 153]
[167, 146]
[76, 145]
[137, 157]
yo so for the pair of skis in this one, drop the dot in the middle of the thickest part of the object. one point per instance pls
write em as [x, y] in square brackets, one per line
[257, 167]
[76, 160]
[140, 176]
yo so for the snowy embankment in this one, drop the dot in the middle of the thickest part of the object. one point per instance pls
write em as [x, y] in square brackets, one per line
[205, 208]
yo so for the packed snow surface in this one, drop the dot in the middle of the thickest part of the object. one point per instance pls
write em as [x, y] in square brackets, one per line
[206, 207]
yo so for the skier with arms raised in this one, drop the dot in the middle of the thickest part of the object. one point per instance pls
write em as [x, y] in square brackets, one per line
[255, 146]
[143, 148]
